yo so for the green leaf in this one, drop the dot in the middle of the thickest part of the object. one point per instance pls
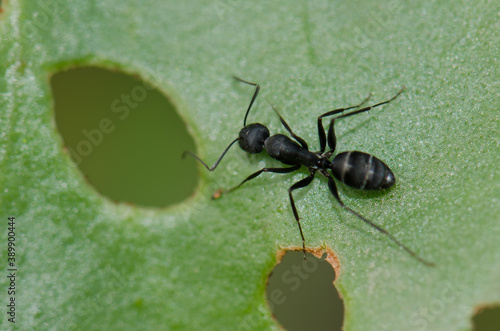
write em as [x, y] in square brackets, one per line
[86, 263]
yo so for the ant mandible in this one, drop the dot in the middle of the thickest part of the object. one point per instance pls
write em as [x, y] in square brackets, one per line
[355, 169]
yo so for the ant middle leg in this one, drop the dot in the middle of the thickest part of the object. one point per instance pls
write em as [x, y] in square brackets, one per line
[300, 184]
[331, 132]
[332, 140]
[321, 129]
[362, 110]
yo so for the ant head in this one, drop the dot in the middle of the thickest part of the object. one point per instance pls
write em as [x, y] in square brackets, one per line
[252, 138]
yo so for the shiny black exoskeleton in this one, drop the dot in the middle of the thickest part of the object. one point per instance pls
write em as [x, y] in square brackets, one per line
[356, 169]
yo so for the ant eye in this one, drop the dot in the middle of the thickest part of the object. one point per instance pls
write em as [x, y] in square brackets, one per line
[252, 138]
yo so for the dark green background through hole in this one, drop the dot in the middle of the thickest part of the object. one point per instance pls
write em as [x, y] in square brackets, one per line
[301, 294]
[126, 139]
[488, 319]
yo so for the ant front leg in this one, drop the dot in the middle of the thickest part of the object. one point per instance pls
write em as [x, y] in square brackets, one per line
[257, 173]
[301, 141]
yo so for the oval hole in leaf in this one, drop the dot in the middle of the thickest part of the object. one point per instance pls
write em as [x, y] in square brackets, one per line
[125, 136]
[487, 318]
[301, 295]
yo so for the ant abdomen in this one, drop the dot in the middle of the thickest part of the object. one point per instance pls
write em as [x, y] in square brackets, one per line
[362, 171]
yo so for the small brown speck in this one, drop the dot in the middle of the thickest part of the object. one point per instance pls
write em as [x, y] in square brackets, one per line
[217, 194]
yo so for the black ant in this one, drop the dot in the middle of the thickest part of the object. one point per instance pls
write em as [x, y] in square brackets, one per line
[356, 169]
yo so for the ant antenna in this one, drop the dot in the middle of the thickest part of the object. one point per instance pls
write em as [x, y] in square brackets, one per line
[257, 89]
[216, 162]
[212, 168]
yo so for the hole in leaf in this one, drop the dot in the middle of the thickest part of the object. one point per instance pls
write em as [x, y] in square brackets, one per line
[487, 318]
[125, 136]
[301, 295]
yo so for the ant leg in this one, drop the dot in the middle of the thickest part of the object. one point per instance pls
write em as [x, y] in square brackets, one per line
[333, 189]
[321, 129]
[302, 183]
[216, 162]
[257, 89]
[257, 173]
[332, 139]
[301, 141]
[362, 110]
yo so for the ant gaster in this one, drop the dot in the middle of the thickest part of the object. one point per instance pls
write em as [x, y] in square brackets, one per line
[356, 169]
